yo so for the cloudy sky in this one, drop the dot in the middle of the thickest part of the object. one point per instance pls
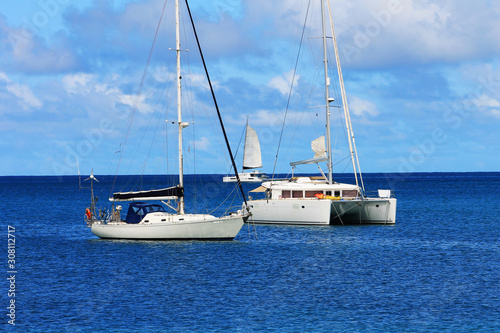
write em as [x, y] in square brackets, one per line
[422, 79]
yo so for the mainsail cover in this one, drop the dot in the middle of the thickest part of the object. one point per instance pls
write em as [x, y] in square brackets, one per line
[160, 194]
[319, 147]
[252, 158]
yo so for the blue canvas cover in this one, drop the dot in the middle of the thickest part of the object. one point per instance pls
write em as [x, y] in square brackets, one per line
[137, 211]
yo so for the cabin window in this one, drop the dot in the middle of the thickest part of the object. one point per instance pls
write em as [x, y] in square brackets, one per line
[350, 193]
[311, 194]
[328, 192]
[297, 194]
[337, 194]
[286, 194]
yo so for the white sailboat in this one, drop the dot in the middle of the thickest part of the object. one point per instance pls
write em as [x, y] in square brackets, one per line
[252, 160]
[150, 221]
[321, 200]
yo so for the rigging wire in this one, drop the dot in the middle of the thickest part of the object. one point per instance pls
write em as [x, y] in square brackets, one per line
[354, 152]
[238, 147]
[137, 99]
[291, 90]
[197, 90]
[216, 105]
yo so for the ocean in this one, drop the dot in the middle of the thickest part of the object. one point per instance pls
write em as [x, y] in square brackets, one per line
[435, 270]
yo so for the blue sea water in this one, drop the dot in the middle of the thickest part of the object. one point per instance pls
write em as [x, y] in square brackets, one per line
[436, 270]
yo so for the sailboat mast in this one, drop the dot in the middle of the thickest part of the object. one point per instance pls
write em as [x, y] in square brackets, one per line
[179, 106]
[327, 97]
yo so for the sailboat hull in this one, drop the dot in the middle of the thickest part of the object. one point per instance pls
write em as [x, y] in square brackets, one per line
[324, 212]
[188, 227]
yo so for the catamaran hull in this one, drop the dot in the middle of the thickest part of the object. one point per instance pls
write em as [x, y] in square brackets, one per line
[306, 212]
[225, 228]
[232, 179]
[247, 177]
[324, 212]
[366, 211]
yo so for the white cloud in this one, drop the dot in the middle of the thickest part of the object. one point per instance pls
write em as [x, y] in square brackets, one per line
[361, 107]
[491, 105]
[4, 77]
[90, 85]
[486, 101]
[23, 93]
[162, 74]
[79, 82]
[202, 144]
[374, 33]
[283, 82]
[29, 53]
[135, 101]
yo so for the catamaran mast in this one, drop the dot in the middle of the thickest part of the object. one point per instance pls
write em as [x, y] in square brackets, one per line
[327, 97]
[350, 134]
[179, 106]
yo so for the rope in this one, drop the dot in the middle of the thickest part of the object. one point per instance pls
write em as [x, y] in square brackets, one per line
[234, 188]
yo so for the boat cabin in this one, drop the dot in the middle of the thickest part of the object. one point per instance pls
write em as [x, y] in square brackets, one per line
[137, 211]
[307, 188]
[299, 194]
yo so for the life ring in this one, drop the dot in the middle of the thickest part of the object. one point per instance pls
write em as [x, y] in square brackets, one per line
[88, 213]
[319, 195]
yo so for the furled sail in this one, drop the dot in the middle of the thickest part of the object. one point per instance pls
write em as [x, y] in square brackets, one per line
[252, 158]
[319, 147]
[160, 194]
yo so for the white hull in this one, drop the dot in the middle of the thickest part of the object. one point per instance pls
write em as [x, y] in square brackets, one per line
[324, 212]
[164, 226]
[255, 177]
[296, 211]
[364, 211]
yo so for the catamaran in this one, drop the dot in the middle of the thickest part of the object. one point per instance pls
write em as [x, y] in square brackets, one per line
[252, 160]
[321, 200]
[151, 221]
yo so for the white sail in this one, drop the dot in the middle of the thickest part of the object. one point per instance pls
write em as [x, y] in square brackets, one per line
[319, 147]
[252, 158]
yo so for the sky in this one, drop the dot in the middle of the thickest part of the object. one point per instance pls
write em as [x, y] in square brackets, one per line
[422, 79]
